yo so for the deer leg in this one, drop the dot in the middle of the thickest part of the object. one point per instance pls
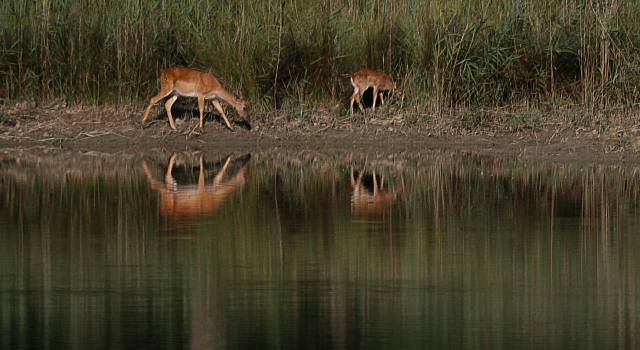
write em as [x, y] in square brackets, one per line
[155, 99]
[201, 109]
[201, 174]
[220, 174]
[155, 184]
[375, 184]
[167, 106]
[375, 97]
[381, 97]
[359, 181]
[353, 98]
[221, 111]
[358, 99]
[169, 181]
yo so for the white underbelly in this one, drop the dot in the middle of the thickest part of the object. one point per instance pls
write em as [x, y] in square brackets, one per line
[187, 94]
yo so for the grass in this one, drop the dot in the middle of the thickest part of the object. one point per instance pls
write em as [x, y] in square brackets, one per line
[445, 54]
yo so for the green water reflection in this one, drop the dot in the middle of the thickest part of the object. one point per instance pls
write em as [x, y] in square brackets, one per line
[309, 250]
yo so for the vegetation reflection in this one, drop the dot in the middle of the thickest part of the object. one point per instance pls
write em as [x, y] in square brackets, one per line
[467, 251]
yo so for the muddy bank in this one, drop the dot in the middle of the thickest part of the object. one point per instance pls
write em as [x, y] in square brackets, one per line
[111, 130]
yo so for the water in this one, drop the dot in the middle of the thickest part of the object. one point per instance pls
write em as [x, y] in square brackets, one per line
[286, 250]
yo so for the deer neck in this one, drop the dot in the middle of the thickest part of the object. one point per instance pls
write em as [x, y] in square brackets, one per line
[228, 97]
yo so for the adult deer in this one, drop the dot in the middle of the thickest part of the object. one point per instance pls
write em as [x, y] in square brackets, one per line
[187, 82]
[187, 201]
[367, 78]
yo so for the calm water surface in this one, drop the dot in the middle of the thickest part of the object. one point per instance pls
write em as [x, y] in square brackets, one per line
[309, 250]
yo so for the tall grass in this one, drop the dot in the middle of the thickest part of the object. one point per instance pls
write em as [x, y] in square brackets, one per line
[444, 53]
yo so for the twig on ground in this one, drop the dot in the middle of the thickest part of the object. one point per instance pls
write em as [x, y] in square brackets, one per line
[552, 136]
[59, 139]
[97, 133]
[323, 129]
[149, 124]
[192, 130]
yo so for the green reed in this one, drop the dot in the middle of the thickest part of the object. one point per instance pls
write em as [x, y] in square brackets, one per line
[283, 54]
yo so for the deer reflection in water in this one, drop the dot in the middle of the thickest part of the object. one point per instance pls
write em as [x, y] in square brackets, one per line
[183, 201]
[371, 198]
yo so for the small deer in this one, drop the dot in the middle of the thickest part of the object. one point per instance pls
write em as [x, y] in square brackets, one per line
[365, 201]
[187, 82]
[366, 78]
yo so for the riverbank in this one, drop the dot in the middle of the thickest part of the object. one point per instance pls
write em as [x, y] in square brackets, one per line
[611, 139]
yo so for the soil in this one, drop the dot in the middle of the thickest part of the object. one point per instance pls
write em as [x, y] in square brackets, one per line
[110, 130]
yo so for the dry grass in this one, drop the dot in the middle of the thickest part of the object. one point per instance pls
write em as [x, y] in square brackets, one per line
[616, 130]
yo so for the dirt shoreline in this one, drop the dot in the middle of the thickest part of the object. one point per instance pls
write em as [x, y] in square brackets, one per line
[108, 130]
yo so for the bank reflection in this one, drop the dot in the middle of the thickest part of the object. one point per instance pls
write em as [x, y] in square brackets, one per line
[185, 198]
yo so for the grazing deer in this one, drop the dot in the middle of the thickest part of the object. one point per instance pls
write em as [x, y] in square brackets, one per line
[366, 78]
[188, 82]
[364, 201]
[185, 201]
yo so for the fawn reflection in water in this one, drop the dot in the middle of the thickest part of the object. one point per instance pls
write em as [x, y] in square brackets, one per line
[372, 197]
[183, 201]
